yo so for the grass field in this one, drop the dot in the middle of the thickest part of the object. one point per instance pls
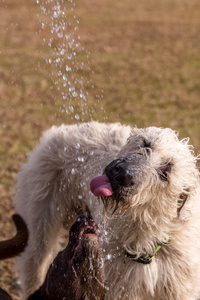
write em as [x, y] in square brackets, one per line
[138, 63]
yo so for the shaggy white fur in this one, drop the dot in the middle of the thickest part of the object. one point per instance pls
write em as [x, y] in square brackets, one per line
[162, 202]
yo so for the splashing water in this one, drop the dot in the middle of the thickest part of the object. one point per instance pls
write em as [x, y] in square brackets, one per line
[68, 71]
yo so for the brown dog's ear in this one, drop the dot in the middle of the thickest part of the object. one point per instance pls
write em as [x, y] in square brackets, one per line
[17, 244]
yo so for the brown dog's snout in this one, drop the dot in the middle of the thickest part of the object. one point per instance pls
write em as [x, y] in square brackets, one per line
[83, 225]
[85, 220]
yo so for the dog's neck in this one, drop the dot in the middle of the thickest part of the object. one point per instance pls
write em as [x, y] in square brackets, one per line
[139, 239]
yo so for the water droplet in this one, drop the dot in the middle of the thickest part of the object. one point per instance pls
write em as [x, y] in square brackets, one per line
[71, 89]
[80, 158]
[60, 34]
[73, 171]
[55, 15]
[68, 69]
[108, 256]
[77, 146]
[77, 117]
[64, 77]
[71, 108]
[74, 94]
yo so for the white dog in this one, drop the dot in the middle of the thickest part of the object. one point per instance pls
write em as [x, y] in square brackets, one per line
[149, 190]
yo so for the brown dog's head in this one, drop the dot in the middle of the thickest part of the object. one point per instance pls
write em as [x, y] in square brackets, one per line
[77, 272]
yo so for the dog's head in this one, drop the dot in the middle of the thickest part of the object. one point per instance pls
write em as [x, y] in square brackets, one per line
[153, 170]
[77, 271]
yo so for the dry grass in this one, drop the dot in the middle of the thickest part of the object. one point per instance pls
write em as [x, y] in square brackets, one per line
[144, 70]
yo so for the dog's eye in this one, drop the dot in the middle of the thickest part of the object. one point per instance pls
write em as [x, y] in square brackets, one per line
[163, 176]
[147, 147]
[164, 171]
[146, 144]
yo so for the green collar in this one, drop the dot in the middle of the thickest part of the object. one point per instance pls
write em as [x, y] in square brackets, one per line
[146, 259]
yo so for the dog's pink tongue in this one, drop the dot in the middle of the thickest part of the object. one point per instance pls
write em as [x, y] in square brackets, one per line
[100, 186]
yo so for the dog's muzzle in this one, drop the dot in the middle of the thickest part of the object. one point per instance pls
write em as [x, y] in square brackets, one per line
[120, 172]
[121, 178]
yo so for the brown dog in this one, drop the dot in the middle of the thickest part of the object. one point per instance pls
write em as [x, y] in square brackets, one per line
[76, 273]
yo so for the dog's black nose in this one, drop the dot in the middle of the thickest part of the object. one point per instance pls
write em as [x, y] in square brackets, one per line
[122, 173]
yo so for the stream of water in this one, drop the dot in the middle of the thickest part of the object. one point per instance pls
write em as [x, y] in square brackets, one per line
[70, 61]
